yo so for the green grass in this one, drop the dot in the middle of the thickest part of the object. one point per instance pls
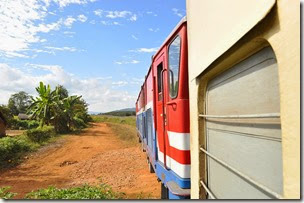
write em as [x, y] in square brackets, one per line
[129, 120]
[13, 149]
[102, 191]
[5, 194]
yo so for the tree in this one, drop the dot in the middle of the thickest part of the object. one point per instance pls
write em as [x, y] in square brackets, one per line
[19, 102]
[57, 108]
[42, 105]
[7, 114]
[62, 92]
[69, 108]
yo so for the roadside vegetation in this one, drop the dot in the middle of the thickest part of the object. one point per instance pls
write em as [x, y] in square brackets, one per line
[51, 113]
[14, 149]
[85, 191]
[102, 191]
[5, 193]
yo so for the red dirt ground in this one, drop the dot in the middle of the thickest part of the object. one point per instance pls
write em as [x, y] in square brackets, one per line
[94, 156]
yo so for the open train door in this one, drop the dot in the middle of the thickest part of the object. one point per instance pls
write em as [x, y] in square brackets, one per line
[244, 83]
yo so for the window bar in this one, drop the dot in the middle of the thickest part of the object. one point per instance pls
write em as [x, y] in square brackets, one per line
[207, 190]
[266, 115]
[259, 185]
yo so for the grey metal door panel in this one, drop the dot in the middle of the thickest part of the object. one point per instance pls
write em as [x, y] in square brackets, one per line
[250, 145]
[249, 87]
[252, 156]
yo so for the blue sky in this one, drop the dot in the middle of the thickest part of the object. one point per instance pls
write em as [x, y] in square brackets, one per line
[100, 49]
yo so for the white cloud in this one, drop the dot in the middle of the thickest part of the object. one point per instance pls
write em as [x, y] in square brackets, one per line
[109, 23]
[47, 27]
[99, 92]
[69, 21]
[82, 18]
[127, 62]
[15, 54]
[17, 29]
[177, 12]
[43, 51]
[145, 50]
[69, 33]
[151, 13]
[64, 3]
[120, 83]
[116, 23]
[133, 17]
[71, 49]
[134, 37]
[153, 30]
[118, 14]
[98, 12]
[23, 20]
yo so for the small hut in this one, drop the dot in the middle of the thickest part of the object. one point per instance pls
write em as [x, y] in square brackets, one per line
[3, 124]
[23, 116]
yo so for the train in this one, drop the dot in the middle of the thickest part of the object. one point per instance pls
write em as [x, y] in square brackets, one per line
[218, 114]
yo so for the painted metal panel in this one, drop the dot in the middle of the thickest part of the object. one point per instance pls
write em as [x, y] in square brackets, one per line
[214, 26]
[251, 145]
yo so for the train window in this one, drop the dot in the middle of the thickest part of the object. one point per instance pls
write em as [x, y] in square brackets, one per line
[174, 59]
[159, 85]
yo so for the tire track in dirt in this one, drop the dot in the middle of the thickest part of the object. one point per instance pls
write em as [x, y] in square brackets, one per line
[94, 156]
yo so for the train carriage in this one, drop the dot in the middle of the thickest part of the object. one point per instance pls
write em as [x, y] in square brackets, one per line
[237, 96]
[163, 115]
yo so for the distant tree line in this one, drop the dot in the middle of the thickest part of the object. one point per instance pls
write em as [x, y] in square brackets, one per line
[119, 113]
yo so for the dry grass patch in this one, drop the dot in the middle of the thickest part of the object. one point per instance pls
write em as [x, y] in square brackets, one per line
[125, 132]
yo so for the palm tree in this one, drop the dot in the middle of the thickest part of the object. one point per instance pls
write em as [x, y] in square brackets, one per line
[42, 105]
[59, 109]
[69, 104]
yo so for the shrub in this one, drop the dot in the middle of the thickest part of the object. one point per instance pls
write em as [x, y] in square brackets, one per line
[17, 124]
[12, 148]
[41, 134]
[5, 194]
[83, 192]
[32, 124]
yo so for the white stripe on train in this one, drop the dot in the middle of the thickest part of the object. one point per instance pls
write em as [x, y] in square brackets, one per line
[148, 106]
[182, 170]
[179, 141]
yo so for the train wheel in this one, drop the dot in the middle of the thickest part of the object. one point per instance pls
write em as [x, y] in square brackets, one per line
[164, 192]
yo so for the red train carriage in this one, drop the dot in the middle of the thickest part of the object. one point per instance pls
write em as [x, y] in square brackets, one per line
[162, 112]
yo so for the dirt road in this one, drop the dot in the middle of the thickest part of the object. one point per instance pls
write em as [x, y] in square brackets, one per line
[94, 156]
